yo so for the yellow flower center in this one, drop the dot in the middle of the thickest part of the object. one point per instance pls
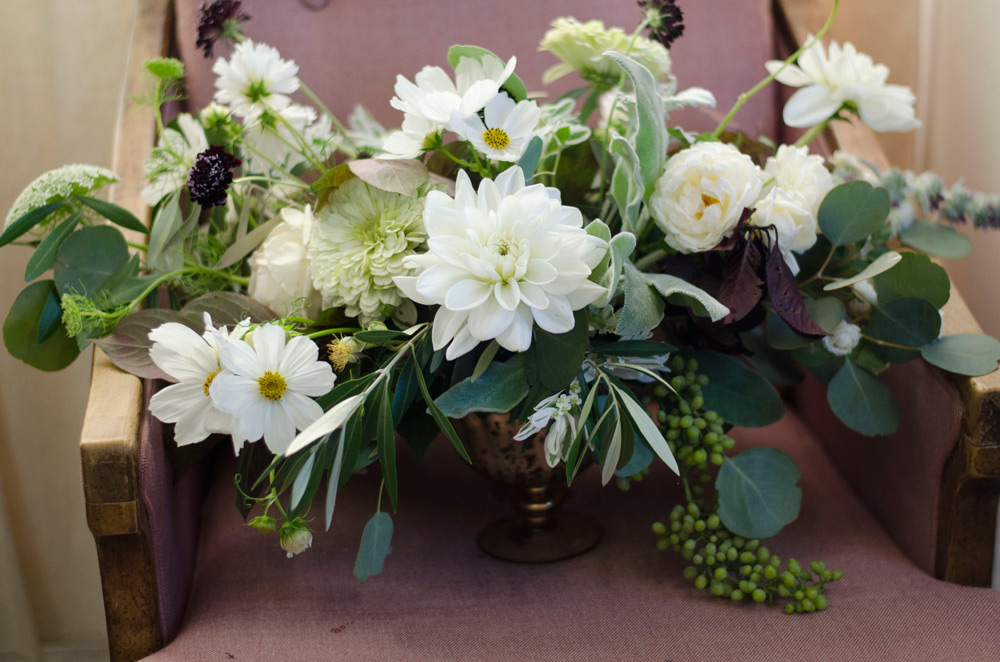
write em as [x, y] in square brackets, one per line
[208, 381]
[496, 138]
[271, 385]
[339, 353]
[708, 200]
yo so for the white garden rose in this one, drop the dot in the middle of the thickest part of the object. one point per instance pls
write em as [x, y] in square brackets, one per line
[701, 195]
[279, 268]
[843, 340]
[794, 225]
[801, 174]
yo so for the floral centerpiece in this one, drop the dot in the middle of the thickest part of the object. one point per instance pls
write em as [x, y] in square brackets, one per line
[623, 290]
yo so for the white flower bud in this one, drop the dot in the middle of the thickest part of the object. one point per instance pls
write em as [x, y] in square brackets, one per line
[295, 537]
[843, 340]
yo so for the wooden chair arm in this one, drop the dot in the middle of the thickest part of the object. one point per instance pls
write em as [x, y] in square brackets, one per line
[109, 443]
[971, 481]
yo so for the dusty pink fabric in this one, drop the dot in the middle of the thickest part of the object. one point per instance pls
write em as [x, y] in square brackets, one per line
[442, 599]
[350, 52]
[898, 477]
[173, 512]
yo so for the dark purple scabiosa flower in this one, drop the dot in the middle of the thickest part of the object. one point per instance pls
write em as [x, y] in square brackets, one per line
[210, 176]
[666, 22]
[220, 19]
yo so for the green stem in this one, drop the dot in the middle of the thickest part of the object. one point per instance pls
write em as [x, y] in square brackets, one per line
[352, 149]
[138, 247]
[811, 134]
[330, 332]
[269, 180]
[648, 260]
[746, 96]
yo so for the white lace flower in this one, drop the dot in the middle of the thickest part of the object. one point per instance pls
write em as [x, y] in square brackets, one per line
[280, 271]
[192, 360]
[55, 186]
[254, 79]
[501, 260]
[701, 195]
[168, 165]
[843, 340]
[844, 76]
[269, 387]
[556, 413]
[359, 243]
[507, 129]
[434, 95]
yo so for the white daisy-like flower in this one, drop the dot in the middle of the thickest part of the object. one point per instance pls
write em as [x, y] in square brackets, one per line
[56, 186]
[434, 95]
[410, 140]
[499, 261]
[359, 243]
[192, 360]
[269, 387]
[255, 79]
[364, 130]
[556, 413]
[507, 129]
[828, 81]
[168, 165]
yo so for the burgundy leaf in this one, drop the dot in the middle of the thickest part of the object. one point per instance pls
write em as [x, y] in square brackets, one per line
[783, 290]
[128, 347]
[741, 282]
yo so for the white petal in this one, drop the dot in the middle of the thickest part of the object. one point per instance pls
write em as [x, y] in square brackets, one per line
[467, 294]
[517, 337]
[508, 294]
[791, 75]
[557, 318]
[809, 106]
[490, 320]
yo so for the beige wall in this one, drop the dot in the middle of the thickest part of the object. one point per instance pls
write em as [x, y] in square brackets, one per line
[63, 61]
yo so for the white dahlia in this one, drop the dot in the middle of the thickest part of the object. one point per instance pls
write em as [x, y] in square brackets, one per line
[358, 246]
[499, 261]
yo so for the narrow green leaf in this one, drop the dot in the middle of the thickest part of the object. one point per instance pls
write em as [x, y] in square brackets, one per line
[27, 222]
[621, 246]
[378, 337]
[597, 228]
[627, 187]
[333, 481]
[161, 254]
[302, 479]
[325, 424]
[247, 243]
[971, 354]
[612, 453]
[852, 211]
[758, 494]
[117, 215]
[485, 359]
[51, 318]
[651, 134]
[529, 160]
[375, 546]
[633, 348]
[682, 293]
[386, 444]
[442, 421]
[45, 254]
[862, 401]
[647, 428]
[935, 239]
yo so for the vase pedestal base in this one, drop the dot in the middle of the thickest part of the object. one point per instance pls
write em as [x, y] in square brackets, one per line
[565, 536]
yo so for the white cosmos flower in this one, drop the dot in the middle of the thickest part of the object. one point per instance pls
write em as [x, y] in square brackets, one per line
[193, 361]
[269, 387]
[435, 95]
[168, 165]
[499, 261]
[409, 141]
[844, 76]
[506, 132]
[254, 79]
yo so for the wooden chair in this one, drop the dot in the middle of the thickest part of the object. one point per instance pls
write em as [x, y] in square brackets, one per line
[118, 449]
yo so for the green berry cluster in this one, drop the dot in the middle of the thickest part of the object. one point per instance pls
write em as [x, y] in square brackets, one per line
[728, 565]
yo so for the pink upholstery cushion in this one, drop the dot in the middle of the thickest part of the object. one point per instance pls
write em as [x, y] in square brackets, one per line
[173, 513]
[899, 483]
[350, 52]
[442, 599]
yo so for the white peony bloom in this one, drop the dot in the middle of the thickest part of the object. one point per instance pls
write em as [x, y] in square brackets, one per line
[359, 244]
[255, 79]
[434, 95]
[843, 340]
[499, 261]
[581, 47]
[192, 360]
[506, 132]
[279, 268]
[269, 387]
[845, 76]
[701, 195]
[168, 165]
[795, 225]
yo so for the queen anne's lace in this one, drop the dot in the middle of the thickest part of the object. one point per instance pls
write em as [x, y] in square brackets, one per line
[55, 186]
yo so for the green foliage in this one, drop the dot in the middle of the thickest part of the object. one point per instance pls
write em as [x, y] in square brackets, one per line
[758, 492]
[529, 160]
[498, 390]
[914, 276]
[165, 68]
[643, 307]
[909, 323]
[627, 187]
[558, 357]
[26, 336]
[375, 546]
[879, 265]
[852, 211]
[45, 255]
[27, 221]
[117, 215]
[736, 392]
[682, 293]
[935, 239]
[513, 86]
[969, 354]
[862, 401]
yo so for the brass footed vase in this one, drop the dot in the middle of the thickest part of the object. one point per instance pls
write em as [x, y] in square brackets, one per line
[540, 532]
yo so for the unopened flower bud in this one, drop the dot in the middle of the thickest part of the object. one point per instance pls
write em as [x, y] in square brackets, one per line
[263, 523]
[295, 537]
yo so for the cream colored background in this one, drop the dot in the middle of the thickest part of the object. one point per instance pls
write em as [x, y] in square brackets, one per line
[62, 65]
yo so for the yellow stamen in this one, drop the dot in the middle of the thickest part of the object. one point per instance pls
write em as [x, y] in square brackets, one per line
[340, 353]
[496, 138]
[208, 382]
[271, 385]
[708, 200]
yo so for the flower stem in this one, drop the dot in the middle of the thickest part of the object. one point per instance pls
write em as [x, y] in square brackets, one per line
[648, 260]
[352, 150]
[811, 134]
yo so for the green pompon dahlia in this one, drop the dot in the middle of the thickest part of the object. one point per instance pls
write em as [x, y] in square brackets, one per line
[358, 244]
[56, 186]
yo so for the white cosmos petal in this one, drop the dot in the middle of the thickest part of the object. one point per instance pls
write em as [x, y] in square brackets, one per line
[302, 411]
[170, 404]
[278, 428]
[497, 111]
[557, 318]
[181, 352]
[810, 105]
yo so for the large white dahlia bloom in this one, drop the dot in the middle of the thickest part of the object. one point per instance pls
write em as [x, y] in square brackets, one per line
[501, 259]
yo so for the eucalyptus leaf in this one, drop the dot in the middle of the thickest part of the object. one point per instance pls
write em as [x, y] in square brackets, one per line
[87, 258]
[498, 390]
[229, 308]
[781, 336]
[20, 331]
[643, 309]
[758, 492]
[485, 359]
[880, 265]
[852, 211]
[528, 162]
[915, 276]
[739, 395]
[375, 546]
[682, 293]
[27, 221]
[910, 322]
[862, 401]
[827, 312]
[935, 239]
[971, 354]
[43, 257]
[403, 176]
[117, 215]
[651, 134]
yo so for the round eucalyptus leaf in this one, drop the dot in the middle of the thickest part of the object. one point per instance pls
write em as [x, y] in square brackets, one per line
[87, 258]
[935, 239]
[914, 276]
[862, 401]
[21, 330]
[828, 312]
[758, 494]
[910, 322]
[736, 392]
[853, 211]
[971, 354]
